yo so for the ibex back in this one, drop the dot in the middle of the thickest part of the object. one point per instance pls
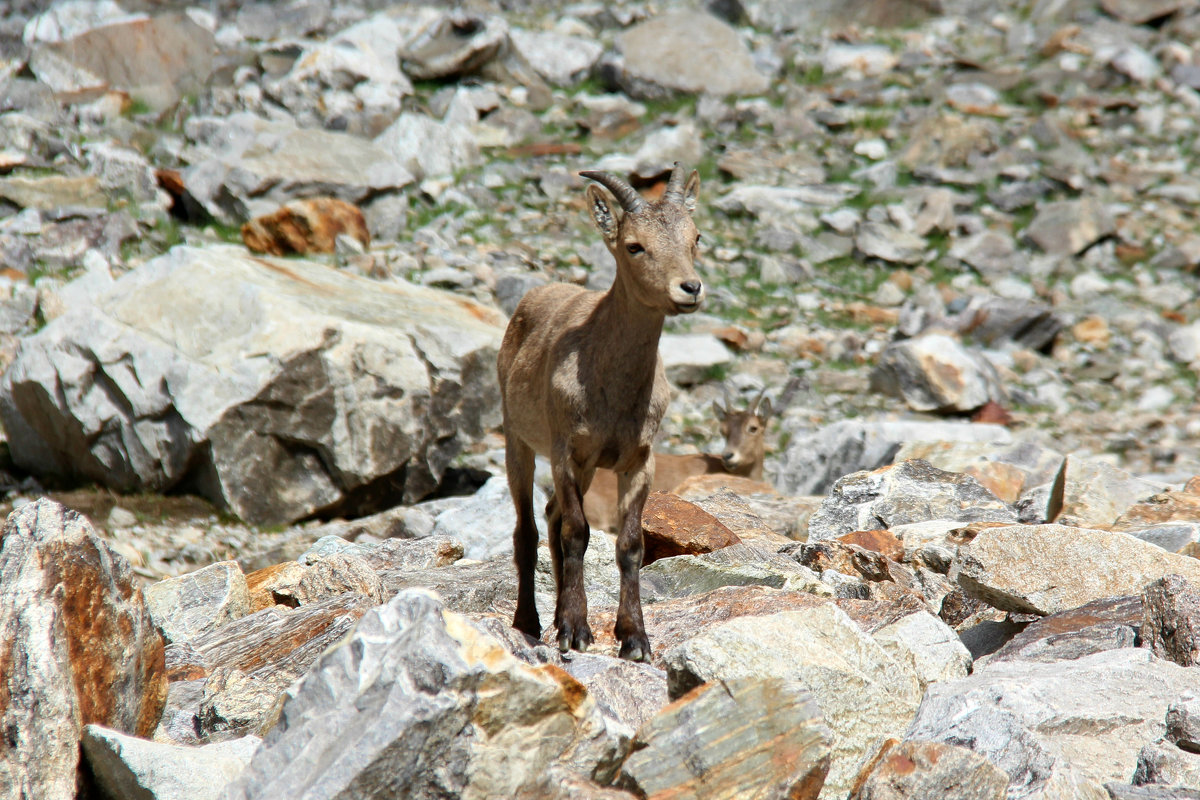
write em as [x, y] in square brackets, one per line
[582, 383]
[744, 433]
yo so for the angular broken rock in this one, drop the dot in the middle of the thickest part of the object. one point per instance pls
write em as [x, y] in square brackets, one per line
[252, 166]
[675, 527]
[416, 702]
[192, 604]
[747, 737]
[247, 663]
[306, 226]
[1043, 569]
[919, 770]
[1110, 623]
[1007, 470]
[911, 491]
[734, 565]
[1171, 619]
[77, 646]
[864, 694]
[935, 372]
[1042, 724]
[815, 460]
[126, 766]
[1096, 494]
[349, 387]
[1162, 762]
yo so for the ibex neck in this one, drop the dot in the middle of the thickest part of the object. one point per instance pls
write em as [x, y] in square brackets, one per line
[633, 329]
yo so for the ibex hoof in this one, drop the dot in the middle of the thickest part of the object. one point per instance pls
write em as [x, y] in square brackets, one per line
[635, 648]
[528, 624]
[578, 639]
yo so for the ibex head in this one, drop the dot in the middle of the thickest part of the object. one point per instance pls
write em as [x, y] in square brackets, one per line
[744, 433]
[654, 244]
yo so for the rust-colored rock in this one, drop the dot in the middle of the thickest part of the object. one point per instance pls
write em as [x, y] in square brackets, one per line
[993, 413]
[675, 527]
[1171, 620]
[848, 559]
[306, 226]
[704, 485]
[915, 770]
[1165, 507]
[672, 622]
[881, 541]
[276, 585]
[77, 646]
[274, 640]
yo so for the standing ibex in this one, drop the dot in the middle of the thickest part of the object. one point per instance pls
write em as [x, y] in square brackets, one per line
[745, 448]
[582, 382]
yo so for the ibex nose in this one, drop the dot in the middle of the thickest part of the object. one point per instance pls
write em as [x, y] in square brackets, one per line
[728, 457]
[691, 287]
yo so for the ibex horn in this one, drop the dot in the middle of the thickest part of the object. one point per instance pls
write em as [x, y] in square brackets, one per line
[626, 195]
[674, 192]
[757, 400]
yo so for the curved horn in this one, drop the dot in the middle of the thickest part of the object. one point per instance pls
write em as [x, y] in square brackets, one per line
[626, 195]
[674, 192]
[757, 400]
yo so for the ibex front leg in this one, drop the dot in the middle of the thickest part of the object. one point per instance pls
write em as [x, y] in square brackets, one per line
[519, 461]
[633, 486]
[571, 608]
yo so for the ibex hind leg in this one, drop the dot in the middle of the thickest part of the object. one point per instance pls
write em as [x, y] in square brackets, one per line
[518, 459]
[554, 539]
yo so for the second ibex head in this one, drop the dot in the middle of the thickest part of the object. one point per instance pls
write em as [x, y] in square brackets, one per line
[654, 243]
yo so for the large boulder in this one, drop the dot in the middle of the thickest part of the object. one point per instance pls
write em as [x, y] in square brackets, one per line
[77, 646]
[865, 695]
[742, 738]
[816, 459]
[911, 491]
[1045, 725]
[1044, 569]
[418, 703]
[274, 388]
[686, 51]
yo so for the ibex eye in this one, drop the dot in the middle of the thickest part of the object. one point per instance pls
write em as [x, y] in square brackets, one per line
[634, 248]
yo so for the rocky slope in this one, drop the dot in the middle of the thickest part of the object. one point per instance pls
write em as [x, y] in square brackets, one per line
[262, 254]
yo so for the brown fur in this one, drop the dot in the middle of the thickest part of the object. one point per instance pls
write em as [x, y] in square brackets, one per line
[743, 455]
[582, 383]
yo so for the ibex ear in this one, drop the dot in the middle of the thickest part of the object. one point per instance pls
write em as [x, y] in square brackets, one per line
[604, 210]
[764, 408]
[691, 190]
[719, 411]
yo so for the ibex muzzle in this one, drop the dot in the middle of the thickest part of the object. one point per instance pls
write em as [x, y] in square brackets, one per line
[582, 383]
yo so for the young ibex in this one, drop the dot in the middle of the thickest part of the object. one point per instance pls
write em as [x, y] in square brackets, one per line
[744, 433]
[582, 383]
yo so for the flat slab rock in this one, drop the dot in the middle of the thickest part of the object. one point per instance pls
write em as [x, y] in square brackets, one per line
[1043, 569]
[741, 738]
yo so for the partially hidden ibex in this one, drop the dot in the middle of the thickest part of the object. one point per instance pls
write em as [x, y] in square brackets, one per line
[745, 448]
[582, 383]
